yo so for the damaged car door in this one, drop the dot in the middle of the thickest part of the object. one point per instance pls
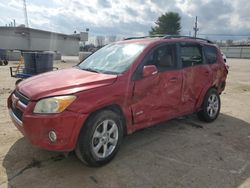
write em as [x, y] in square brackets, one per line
[156, 96]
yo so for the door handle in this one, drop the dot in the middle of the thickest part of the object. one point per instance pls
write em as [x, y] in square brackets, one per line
[207, 73]
[174, 79]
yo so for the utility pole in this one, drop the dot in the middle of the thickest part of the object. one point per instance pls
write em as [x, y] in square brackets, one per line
[25, 13]
[27, 24]
[196, 29]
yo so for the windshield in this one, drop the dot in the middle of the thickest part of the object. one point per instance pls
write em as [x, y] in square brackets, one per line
[113, 58]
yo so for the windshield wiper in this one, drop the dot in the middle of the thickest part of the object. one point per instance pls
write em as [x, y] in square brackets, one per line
[91, 70]
[110, 72]
[98, 71]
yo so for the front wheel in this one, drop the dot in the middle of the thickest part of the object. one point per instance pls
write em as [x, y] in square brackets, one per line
[100, 138]
[210, 107]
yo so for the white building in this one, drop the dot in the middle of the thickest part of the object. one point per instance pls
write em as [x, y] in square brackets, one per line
[28, 39]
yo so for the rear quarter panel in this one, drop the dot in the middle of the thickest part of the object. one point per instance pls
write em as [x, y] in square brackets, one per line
[219, 75]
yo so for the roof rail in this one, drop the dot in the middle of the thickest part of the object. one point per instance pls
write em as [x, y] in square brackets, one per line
[130, 38]
[188, 37]
[151, 36]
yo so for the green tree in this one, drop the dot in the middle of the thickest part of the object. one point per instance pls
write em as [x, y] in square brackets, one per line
[167, 24]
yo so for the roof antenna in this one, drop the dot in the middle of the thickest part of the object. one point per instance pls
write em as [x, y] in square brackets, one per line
[196, 29]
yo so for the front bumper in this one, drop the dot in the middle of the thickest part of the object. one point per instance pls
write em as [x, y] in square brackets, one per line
[36, 127]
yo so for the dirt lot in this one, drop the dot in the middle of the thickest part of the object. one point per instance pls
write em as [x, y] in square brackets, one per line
[179, 153]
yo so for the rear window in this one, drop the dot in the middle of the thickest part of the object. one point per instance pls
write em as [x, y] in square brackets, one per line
[191, 55]
[210, 54]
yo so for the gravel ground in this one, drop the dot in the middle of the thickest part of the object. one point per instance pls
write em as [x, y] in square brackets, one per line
[179, 153]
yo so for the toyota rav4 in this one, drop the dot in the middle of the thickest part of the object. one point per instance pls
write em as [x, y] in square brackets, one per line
[124, 86]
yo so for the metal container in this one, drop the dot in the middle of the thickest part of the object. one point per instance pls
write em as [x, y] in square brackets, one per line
[3, 54]
[29, 62]
[44, 62]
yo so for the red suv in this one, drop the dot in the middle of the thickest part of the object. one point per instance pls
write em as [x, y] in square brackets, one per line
[123, 87]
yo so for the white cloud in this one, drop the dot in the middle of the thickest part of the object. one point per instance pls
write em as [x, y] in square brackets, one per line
[128, 17]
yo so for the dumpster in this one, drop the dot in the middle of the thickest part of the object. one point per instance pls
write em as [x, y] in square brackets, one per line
[44, 62]
[37, 62]
[3, 54]
[29, 62]
[3, 57]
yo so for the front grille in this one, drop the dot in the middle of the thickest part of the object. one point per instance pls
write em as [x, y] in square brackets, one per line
[21, 97]
[18, 113]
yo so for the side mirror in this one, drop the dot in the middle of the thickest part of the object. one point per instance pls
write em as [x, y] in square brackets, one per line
[149, 70]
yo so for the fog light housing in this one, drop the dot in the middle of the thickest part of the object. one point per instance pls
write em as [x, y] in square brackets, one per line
[52, 136]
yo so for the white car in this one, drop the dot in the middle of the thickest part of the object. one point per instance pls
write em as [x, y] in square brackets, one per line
[224, 57]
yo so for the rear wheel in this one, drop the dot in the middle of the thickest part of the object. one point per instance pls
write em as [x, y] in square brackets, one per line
[100, 138]
[210, 107]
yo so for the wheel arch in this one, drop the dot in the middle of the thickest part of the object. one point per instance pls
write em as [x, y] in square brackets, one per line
[203, 94]
[117, 109]
[82, 150]
[113, 107]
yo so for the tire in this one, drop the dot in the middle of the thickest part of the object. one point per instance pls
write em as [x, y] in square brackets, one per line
[96, 144]
[18, 81]
[210, 107]
[5, 62]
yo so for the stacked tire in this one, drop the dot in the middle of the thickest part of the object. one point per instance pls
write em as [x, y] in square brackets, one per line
[3, 62]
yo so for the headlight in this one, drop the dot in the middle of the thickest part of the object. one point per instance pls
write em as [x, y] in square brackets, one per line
[54, 104]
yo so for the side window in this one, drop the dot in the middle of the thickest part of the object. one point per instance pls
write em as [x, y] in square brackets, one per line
[210, 54]
[191, 55]
[164, 58]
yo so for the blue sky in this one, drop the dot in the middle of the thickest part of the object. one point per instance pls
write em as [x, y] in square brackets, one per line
[128, 17]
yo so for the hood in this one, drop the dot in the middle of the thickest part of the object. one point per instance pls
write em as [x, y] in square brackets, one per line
[63, 82]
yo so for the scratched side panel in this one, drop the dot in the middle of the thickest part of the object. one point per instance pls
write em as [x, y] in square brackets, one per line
[146, 99]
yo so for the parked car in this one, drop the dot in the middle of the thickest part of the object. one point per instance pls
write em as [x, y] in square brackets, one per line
[224, 57]
[121, 88]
